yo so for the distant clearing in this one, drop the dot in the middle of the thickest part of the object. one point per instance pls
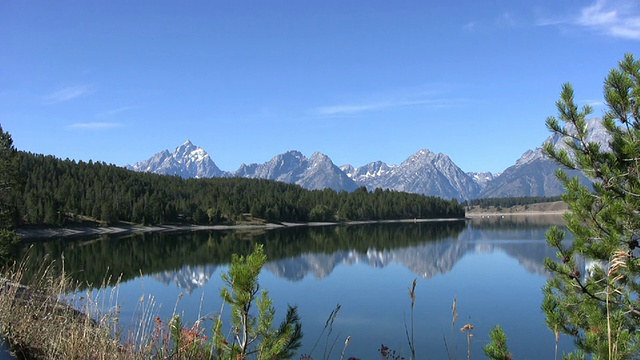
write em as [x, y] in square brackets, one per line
[556, 207]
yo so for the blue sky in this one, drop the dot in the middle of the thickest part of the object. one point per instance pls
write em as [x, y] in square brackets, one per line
[118, 81]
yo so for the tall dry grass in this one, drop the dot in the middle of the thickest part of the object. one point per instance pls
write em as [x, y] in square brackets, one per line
[50, 318]
[39, 323]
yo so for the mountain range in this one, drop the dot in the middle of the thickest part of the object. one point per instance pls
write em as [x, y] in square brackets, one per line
[424, 172]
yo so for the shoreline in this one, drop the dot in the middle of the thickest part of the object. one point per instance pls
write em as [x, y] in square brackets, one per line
[474, 215]
[126, 229]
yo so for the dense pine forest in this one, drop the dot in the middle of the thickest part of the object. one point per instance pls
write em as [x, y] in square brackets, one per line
[56, 192]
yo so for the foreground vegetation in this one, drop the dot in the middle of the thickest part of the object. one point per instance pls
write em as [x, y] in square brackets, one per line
[599, 309]
[52, 319]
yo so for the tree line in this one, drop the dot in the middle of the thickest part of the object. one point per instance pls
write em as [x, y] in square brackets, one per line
[56, 192]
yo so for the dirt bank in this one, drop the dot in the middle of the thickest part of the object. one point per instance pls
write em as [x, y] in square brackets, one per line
[551, 208]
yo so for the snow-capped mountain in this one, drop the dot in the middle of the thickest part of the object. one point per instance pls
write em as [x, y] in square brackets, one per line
[187, 161]
[285, 167]
[317, 172]
[482, 178]
[424, 172]
[371, 175]
[534, 173]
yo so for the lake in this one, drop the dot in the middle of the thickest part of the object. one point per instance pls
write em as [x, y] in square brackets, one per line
[493, 267]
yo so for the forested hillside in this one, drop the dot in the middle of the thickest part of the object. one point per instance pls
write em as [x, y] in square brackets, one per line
[57, 191]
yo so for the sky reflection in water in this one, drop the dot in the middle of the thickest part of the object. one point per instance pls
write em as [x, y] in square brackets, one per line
[495, 270]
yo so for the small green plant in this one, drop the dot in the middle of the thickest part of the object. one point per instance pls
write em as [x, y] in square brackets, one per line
[253, 335]
[497, 348]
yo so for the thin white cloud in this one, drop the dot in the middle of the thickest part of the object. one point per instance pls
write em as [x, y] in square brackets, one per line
[613, 18]
[68, 93]
[593, 103]
[620, 19]
[548, 21]
[94, 125]
[471, 26]
[353, 109]
[115, 111]
[350, 109]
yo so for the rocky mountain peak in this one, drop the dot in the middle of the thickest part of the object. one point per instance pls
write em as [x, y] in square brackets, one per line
[319, 158]
[530, 156]
[423, 155]
[293, 167]
[424, 172]
[534, 173]
[186, 161]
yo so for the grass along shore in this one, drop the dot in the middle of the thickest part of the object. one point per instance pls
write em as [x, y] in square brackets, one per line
[37, 322]
[52, 318]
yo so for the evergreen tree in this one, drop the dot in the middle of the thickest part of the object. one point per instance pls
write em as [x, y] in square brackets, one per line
[497, 348]
[254, 334]
[8, 180]
[8, 188]
[598, 304]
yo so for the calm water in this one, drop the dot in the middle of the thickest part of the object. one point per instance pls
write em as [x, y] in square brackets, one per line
[493, 267]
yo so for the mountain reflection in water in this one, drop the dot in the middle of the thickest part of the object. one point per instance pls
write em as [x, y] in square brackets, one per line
[189, 259]
[494, 266]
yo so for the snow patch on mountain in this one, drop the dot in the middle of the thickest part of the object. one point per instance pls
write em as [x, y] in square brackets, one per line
[315, 173]
[424, 172]
[187, 161]
[482, 178]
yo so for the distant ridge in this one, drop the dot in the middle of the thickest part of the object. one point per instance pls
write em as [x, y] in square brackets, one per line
[534, 173]
[424, 172]
[315, 173]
